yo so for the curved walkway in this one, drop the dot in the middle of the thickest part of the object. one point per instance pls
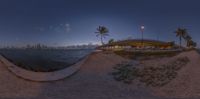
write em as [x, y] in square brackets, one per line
[42, 76]
[93, 81]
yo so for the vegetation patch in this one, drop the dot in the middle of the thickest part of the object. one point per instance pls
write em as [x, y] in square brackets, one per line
[146, 55]
[155, 76]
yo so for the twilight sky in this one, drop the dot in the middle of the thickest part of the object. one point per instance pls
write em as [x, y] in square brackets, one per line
[68, 22]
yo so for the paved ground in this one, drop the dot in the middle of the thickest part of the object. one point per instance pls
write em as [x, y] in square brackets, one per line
[42, 76]
[93, 81]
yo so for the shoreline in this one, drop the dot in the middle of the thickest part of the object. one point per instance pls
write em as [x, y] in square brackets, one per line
[43, 76]
[44, 61]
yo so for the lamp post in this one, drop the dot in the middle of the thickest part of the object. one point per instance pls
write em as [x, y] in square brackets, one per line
[142, 31]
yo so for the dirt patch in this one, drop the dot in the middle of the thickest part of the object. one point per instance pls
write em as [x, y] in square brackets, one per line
[155, 76]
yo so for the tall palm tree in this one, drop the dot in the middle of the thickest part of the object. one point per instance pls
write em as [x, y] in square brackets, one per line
[111, 41]
[191, 44]
[181, 34]
[102, 31]
[188, 40]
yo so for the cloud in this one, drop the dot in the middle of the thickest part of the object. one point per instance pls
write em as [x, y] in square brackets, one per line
[50, 27]
[59, 28]
[67, 27]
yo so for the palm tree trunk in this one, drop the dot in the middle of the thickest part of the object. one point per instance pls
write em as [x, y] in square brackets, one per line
[102, 40]
[180, 40]
[188, 42]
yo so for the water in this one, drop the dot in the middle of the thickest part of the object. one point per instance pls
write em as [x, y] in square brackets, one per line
[44, 60]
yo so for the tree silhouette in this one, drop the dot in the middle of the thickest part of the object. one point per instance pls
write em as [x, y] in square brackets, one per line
[181, 33]
[102, 31]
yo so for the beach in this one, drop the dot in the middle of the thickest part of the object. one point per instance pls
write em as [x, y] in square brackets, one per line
[94, 81]
[186, 84]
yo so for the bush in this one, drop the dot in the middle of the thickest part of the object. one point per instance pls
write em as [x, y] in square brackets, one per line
[145, 55]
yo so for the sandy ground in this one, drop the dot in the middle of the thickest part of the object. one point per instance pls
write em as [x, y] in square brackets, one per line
[93, 81]
[187, 83]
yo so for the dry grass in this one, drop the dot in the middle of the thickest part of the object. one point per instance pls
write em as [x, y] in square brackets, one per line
[146, 55]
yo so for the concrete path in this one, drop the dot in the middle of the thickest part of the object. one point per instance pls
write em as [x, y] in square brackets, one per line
[42, 76]
[93, 81]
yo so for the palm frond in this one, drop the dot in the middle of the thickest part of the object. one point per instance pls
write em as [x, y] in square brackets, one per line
[97, 35]
[106, 34]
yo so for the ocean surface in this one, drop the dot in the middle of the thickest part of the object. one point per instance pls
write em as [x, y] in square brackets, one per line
[44, 60]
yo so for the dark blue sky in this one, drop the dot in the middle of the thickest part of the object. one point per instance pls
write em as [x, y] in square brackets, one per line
[67, 22]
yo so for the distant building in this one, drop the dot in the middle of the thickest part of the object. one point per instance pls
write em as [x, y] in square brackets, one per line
[138, 44]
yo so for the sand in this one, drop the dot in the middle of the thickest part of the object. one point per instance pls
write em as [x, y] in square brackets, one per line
[187, 83]
[94, 81]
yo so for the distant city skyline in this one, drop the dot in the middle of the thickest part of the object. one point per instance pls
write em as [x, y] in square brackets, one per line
[41, 46]
[73, 22]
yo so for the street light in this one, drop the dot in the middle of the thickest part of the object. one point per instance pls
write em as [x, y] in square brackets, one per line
[142, 31]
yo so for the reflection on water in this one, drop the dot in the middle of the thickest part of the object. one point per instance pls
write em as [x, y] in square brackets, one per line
[44, 60]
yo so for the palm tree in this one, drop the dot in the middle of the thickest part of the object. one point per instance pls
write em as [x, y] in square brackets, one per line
[188, 40]
[102, 31]
[191, 44]
[194, 44]
[111, 41]
[181, 34]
